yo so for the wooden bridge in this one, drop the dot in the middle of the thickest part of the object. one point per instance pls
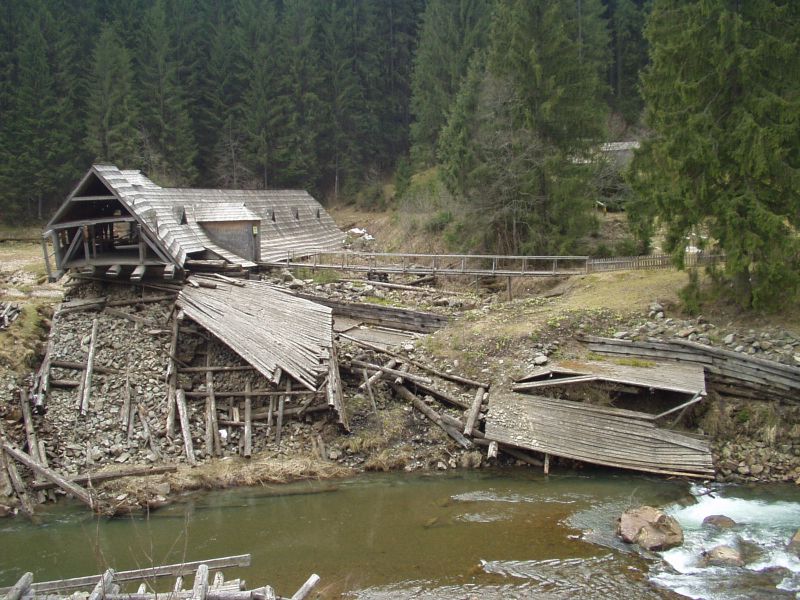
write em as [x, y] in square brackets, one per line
[476, 265]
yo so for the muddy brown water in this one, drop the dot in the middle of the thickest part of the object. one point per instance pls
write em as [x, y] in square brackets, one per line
[479, 534]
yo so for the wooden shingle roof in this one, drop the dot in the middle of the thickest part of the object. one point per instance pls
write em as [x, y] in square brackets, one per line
[289, 219]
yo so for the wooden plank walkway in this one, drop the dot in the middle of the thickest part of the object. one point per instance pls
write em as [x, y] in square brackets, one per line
[476, 265]
[597, 435]
[438, 264]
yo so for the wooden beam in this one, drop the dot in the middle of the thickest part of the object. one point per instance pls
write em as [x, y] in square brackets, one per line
[169, 271]
[20, 589]
[172, 375]
[147, 433]
[92, 199]
[174, 570]
[370, 381]
[72, 247]
[103, 586]
[30, 432]
[180, 401]
[306, 588]
[92, 478]
[70, 488]
[200, 588]
[281, 401]
[138, 272]
[46, 254]
[213, 445]
[248, 422]
[474, 411]
[114, 271]
[86, 383]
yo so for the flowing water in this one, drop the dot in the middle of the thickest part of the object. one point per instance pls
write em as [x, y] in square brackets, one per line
[480, 534]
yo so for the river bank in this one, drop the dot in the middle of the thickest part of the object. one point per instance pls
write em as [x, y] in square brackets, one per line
[488, 338]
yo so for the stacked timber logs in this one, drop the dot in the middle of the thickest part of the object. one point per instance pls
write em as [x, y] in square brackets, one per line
[9, 311]
[108, 585]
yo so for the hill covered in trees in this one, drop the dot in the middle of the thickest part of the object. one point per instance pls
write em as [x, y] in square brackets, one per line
[251, 93]
[508, 99]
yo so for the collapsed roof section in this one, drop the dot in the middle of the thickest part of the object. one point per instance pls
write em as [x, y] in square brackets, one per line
[681, 378]
[274, 331]
[117, 218]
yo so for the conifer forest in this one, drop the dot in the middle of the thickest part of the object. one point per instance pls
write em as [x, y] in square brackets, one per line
[508, 100]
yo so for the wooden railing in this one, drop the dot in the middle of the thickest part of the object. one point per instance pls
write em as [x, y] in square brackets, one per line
[480, 264]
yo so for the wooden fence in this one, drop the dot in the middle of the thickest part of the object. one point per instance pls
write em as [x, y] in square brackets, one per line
[647, 263]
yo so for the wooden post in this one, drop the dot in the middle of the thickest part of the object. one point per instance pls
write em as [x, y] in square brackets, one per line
[546, 464]
[269, 415]
[86, 385]
[306, 588]
[126, 399]
[47, 260]
[180, 401]
[213, 445]
[5, 482]
[103, 586]
[372, 397]
[200, 588]
[281, 401]
[248, 421]
[147, 434]
[20, 588]
[30, 432]
[86, 252]
[474, 411]
[377, 375]
[69, 487]
[172, 375]
[508, 288]
[492, 452]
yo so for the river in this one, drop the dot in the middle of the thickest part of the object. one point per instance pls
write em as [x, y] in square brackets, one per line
[478, 534]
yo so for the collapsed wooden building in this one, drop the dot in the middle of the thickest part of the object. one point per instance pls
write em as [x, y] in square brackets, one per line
[119, 223]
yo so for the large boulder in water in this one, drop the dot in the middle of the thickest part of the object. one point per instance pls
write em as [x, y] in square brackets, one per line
[722, 556]
[650, 528]
[719, 521]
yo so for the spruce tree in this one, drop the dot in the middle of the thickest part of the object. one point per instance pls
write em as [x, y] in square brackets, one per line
[451, 32]
[517, 146]
[167, 133]
[723, 100]
[257, 39]
[111, 124]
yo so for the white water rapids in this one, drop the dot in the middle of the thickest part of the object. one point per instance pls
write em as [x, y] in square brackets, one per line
[764, 527]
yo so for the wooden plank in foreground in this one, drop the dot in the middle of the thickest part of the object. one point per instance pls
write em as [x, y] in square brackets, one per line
[173, 570]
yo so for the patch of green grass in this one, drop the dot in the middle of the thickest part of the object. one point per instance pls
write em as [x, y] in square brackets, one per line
[19, 343]
[634, 362]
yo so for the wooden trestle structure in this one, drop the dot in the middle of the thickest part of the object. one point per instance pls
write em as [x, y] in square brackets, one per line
[108, 585]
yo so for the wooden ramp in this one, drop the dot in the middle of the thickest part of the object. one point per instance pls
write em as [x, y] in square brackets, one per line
[604, 436]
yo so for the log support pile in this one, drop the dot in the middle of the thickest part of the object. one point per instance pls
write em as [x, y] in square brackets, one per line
[109, 585]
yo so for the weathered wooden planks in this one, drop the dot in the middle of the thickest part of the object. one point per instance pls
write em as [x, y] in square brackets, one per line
[596, 435]
[769, 378]
[267, 327]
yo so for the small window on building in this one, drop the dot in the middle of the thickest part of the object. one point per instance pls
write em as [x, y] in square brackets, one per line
[183, 216]
[297, 214]
[318, 214]
[272, 215]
